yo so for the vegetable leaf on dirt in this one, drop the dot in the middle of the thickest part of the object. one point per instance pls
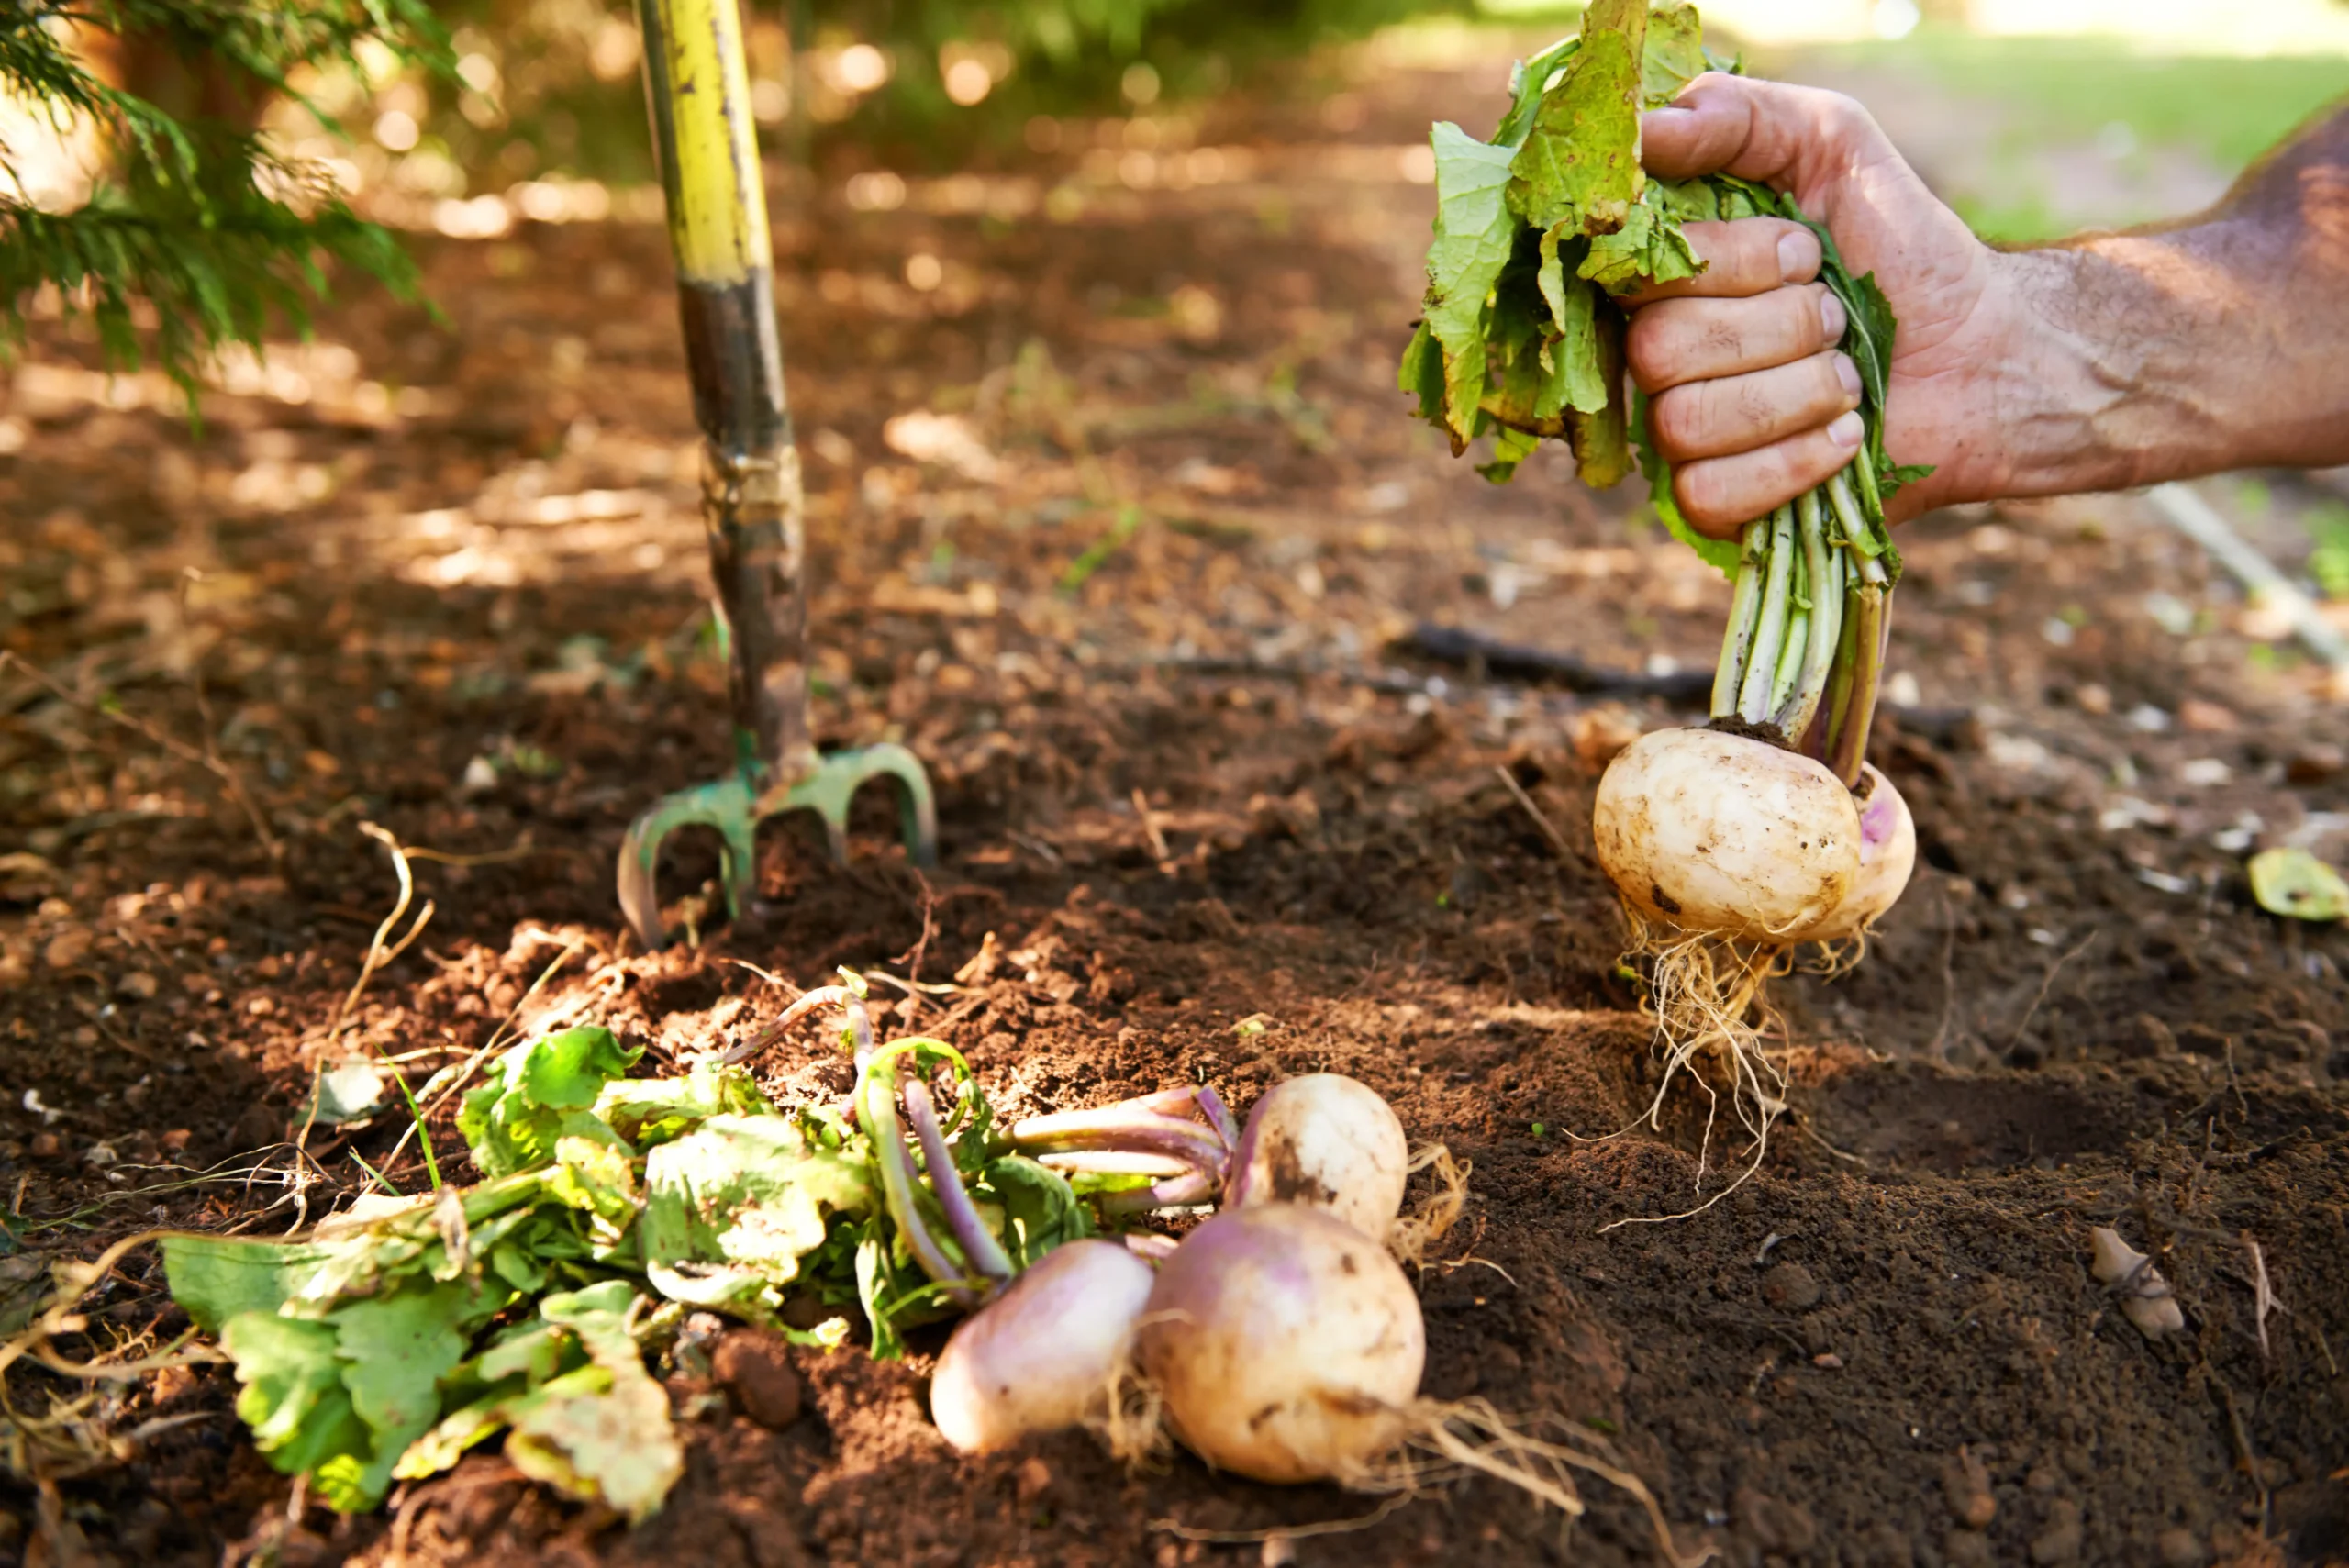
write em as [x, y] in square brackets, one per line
[536, 1093]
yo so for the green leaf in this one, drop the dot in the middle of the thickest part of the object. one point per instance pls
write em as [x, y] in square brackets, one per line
[294, 1397]
[1675, 55]
[1511, 448]
[1420, 375]
[1528, 80]
[1474, 232]
[1720, 554]
[1580, 164]
[395, 1351]
[731, 1209]
[217, 1278]
[539, 1092]
[1602, 438]
[1648, 249]
[1040, 1209]
[598, 1178]
[649, 1111]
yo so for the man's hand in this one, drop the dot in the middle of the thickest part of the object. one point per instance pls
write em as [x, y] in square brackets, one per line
[2104, 362]
[1753, 404]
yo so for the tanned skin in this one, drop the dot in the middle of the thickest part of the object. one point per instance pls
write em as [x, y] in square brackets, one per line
[2110, 360]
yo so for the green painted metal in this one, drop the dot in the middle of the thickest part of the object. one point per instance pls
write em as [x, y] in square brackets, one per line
[736, 807]
[752, 504]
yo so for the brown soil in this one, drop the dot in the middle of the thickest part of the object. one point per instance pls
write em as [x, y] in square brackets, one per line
[1888, 1334]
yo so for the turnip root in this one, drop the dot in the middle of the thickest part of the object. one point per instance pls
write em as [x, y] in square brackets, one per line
[1728, 851]
[1710, 831]
[1327, 1141]
[1887, 857]
[1287, 1345]
[1043, 1355]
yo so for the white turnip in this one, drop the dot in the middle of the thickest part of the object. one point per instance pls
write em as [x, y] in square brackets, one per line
[1043, 1355]
[1704, 830]
[1287, 1345]
[1327, 1141]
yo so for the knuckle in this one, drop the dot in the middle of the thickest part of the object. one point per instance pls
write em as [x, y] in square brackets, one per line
[1755, 407]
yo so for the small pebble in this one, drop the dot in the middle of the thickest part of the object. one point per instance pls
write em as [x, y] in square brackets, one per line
[1032, 1479]
[2180, 1548]
[1279, 1552]
[1790, 1288]
[2058, 1545]
[1965, 1485]
[1966, 1549]
[2313, 763]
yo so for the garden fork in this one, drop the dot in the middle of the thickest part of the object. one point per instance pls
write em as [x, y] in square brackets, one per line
[698, 83]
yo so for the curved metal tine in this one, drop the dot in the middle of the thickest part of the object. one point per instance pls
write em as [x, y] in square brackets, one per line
[725, 805]
[830, 790]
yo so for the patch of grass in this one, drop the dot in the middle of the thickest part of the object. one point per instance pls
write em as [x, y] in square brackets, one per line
[2228, 109]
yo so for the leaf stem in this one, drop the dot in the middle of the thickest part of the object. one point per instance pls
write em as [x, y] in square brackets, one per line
[877, 1109]
[1744, 611]
[1847, 748]
[979, 1244]
[1826, 622]
[1761, 663]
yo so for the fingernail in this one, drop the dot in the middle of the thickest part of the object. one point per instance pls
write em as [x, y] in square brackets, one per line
[1848, 373]
[1848, 429]
[1797, 256]
[1831, 316]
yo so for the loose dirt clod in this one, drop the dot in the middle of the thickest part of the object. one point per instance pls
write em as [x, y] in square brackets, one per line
[2145, 1298]
[756, 1368]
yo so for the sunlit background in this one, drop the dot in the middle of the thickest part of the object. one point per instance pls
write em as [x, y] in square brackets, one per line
[2034, 116]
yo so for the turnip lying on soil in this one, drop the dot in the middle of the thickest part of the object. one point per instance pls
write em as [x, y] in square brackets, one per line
[1728, 845]
[1287, 1344]
[1044, 1355]
[1327, 1141]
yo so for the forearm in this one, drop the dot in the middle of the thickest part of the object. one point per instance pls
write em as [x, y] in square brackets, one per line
[2218, 343]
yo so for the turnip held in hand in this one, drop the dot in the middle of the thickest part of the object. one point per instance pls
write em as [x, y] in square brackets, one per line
[1728, 845]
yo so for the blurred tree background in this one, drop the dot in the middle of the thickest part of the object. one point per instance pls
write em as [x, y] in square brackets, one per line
[189, 173]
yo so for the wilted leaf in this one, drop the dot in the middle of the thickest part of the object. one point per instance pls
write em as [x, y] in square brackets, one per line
[1580, 164]
[2295, 884]
[349, 1091]
[649, 1111]
[602, 1432]
[1675, 54]
[732, 1208]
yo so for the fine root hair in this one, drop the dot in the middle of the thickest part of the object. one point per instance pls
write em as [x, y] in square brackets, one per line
[1446, 1441]
[1132, 1422]
[1437, 1211]
[1704, 994]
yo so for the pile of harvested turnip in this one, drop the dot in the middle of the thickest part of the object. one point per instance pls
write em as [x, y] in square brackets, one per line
[1280, 1340]
[620, 1220]
[1734, 844]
